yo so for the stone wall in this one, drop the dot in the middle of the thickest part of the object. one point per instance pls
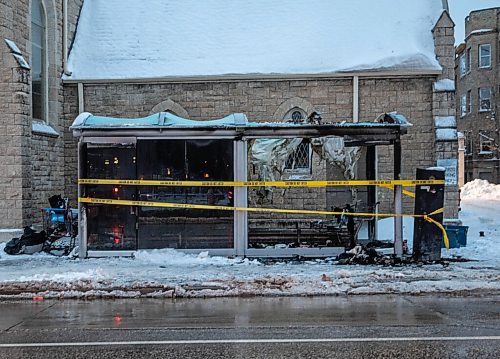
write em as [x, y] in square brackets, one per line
[413, 99]
[32, 162]
[15, 125]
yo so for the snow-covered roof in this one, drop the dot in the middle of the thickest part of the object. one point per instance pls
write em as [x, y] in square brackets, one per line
[164, 119]
[445, 122]
[446, 134]
[129, 39]
[444, 85]
[43, 128]
[168, 120]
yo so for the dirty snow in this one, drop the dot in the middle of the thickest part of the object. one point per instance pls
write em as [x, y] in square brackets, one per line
[167, 272]
[119, 39]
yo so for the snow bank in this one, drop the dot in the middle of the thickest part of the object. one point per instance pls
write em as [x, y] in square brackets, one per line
[481, 190]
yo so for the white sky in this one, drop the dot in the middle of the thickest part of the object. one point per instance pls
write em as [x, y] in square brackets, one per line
[459, 9]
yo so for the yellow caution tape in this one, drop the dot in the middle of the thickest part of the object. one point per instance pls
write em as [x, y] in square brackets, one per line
[384, 183]
[405, 192]
[121, 202]
[440, 226]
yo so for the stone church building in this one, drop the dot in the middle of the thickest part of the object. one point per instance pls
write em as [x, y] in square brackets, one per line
[273, 61]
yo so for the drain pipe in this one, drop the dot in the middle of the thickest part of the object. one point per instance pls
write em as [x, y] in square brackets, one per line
[81, 100]
[355, 99]
[65, 38]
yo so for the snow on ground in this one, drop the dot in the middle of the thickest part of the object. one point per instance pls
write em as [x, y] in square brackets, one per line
[480, 211]
[167, 272]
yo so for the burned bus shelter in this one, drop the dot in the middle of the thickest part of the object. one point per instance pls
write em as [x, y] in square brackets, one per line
[161, 182]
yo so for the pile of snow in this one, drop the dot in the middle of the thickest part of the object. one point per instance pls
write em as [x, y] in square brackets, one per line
[481, 190]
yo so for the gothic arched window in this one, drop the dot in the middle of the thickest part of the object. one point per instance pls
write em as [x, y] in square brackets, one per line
[38, 61]
[300, 159]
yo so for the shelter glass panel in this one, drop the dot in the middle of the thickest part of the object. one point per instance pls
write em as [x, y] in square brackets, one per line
[109, 226]
[175, 226]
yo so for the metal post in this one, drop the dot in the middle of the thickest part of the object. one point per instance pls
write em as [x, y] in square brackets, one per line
[371, 174]
[82, 223]
[398, 202]
[240, 197]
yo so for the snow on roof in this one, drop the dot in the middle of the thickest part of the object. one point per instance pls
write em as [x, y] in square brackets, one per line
[444, 85]
[167, 119]
[43, 128]
[480, 31]
[446, 134]
[86, 119]
[445, 121]
[124, 39]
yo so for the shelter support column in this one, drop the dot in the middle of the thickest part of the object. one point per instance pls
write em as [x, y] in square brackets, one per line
[398, 202]
[240, 197]
[371, 174]
[82, 218]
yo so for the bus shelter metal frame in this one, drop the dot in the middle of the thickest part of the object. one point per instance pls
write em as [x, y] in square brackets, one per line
[367, 134]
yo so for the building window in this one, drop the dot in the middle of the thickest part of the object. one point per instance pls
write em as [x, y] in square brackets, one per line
[38, 61]
[484, 99]
[463, 105]
[486, 144]
[462, 65]
[484, 55]
[467, 61]
[300, 159]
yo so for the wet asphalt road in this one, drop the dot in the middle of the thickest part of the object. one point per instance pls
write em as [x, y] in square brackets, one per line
[320, 327]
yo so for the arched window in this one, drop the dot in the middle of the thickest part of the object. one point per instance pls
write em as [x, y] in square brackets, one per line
[171, 112]
[38, 61]
[300, 159]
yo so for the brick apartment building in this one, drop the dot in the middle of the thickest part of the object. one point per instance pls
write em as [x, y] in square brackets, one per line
[127, 60]
[478, 86]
